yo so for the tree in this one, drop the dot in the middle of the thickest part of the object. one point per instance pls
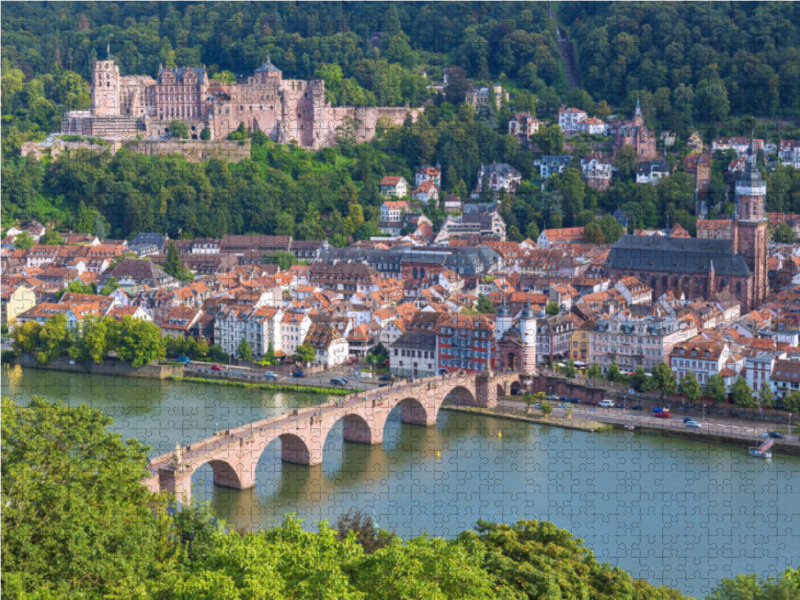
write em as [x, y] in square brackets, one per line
[742, 394]
[54, 339]
[282, 258]
[91, 341]
[74, 287]
[790, 402]
[568, 370]
[716, 389]
[109, 287]
[521, 558]
[552, 308]
[664, 379]
[51, 238]
[641, 381]
[784, 234]
[593, 234]
[173, 266]
[67, 484]
[244, 351]
[613, 372]
[24, 241]
[305, 353]
[457, 86]
[367, 534]
[240, 133]
[205, 135]
[546, 408]
[225, 77]
[137, 341]
[594, 372]
[484, 305]
[178, 129]
[270, 356]
[765, 396]
[550, 139]
[689, 387]
[346, 134]
[626, 160]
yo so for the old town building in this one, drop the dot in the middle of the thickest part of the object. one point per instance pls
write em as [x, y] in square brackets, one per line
[635, 133]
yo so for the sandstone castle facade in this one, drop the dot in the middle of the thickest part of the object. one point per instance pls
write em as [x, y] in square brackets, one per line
[284, 109]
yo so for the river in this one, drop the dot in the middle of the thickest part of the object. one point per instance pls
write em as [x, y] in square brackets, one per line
[678, 513]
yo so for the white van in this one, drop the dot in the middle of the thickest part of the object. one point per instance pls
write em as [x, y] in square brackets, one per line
[606, 404]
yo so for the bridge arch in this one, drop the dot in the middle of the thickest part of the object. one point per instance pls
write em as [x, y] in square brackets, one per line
[227, 474]
[462, 395]
[294, 449]
[415, 412]
[356, 428]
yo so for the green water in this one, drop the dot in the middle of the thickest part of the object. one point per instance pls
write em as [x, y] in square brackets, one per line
[679, 513]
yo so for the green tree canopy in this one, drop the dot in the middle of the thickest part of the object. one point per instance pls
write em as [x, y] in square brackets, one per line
[178, 129]
[244, 351]
[689, 387]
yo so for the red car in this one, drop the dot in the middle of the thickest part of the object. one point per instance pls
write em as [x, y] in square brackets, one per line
[664, 414]
[216, 368]
[351, 361]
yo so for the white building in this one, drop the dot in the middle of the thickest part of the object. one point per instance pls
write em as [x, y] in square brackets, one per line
[428, 174]
[592, 126]
[294, 329]
[259, 326]
[568, 119]
[426, 192]
[392, 212]
[499, 176]
[789, 153]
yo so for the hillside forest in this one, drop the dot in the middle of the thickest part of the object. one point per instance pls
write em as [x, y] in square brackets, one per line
[720, 68]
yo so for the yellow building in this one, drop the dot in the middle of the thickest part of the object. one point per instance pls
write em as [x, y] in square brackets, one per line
[579, 345]
[695, 143]
[15, 300]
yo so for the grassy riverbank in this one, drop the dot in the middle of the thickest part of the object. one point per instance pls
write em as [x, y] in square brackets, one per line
[273, 387]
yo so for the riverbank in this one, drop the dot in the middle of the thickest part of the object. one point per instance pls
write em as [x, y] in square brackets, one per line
[272, 387]
[603, 423]
[113, 367]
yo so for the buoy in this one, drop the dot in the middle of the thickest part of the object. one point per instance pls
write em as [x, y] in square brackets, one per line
[438, 454]
[499, 434]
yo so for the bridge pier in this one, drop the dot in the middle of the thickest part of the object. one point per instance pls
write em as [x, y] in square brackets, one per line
[176, 481]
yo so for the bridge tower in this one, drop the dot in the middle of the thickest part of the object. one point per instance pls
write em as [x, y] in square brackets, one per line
[527, 329]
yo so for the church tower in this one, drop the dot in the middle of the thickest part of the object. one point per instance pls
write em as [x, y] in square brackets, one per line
[527, 329]
[503, 320]
[105, 88]
[751, 226]
[638, 119]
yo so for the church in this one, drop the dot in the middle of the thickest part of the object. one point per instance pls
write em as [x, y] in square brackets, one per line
[286, 110]
[635, 133]
[702, 268]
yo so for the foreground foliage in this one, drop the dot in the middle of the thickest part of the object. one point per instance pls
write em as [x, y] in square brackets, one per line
[77, 523]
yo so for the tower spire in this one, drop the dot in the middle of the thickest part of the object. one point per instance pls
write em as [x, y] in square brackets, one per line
[108, 51]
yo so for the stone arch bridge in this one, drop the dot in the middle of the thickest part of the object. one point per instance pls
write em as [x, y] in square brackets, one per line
[234, 453]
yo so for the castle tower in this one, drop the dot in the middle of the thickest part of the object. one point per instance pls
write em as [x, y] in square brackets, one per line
[503, 322]
[527, 329]
[105, 88]
[751, 226]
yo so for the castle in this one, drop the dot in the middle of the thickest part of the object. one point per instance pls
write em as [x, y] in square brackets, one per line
[286, 110]
[702, 267]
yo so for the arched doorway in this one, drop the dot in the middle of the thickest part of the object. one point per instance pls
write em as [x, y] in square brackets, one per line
[511, 362]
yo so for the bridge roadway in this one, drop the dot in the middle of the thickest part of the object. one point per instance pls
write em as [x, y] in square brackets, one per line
[234, 453]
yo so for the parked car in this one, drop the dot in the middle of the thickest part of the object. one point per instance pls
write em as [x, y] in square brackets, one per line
[693, 424]
[351, 361]
[637, 407]
[664, 414]
[216, 367]
[575, 400]
[606, 404]
[183, 359]
[774, 435]
[563, 399]
[298, 374]
[341, 381]
[564, 405]
[590, 402]
[384, 378]
[553, 398]
[270, 375]
[383, 384]
[658, 410]
[687, 419]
